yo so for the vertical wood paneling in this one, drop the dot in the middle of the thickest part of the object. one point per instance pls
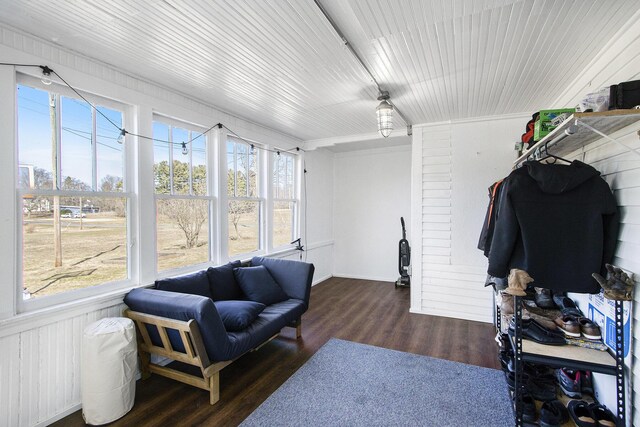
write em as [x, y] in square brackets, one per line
[622, 171]
[446, 288]
[9, 380]
[40, 369]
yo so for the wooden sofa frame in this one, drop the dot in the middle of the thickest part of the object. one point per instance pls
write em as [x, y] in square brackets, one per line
[195, 353]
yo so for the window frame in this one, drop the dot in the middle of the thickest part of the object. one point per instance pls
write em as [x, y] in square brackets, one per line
[295, 226]
[261, 179]
[33, 304]
[210, 196]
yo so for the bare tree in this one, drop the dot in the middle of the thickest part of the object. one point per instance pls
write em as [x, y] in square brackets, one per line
[189, 215]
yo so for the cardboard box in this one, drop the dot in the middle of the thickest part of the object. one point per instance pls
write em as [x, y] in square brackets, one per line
[543, 126]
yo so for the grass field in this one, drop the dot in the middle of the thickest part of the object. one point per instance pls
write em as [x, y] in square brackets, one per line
[96, 253]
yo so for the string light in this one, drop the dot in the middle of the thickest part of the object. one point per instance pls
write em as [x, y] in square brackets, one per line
[120, 139]
[46, 75]
[46, 79]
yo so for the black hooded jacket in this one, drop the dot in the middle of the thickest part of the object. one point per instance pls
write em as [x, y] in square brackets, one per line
[558, 222]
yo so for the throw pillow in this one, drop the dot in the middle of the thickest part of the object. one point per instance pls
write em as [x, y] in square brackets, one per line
[238, 315]
[258, 285]
[223, 283]
[195, 284]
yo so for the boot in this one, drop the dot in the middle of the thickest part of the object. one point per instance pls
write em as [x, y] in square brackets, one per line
[518, 280]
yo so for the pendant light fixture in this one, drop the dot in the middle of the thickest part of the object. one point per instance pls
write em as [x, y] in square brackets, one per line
[385, 114]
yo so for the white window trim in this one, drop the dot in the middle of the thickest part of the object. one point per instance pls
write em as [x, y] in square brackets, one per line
[40, 303]
[262, 200]
[211, 196]
[296, 202]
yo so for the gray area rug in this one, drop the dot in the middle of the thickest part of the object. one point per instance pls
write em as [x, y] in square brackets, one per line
[351, 384]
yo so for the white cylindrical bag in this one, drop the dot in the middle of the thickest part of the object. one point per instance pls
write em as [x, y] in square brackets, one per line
[108, 366]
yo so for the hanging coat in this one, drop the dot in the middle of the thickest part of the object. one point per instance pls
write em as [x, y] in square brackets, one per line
[558, 222]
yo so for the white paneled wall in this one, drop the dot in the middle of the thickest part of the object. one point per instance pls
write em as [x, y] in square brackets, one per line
[618, 61]
[40, 369]
[371, 193]
[456, 163]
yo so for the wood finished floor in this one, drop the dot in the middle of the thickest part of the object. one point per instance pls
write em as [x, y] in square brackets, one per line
[363, 311]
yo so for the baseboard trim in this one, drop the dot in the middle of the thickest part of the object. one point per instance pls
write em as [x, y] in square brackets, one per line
[362, 277]
[321, 279]
[60, 416]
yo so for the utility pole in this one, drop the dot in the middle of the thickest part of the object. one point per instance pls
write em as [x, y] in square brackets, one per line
[57, 237]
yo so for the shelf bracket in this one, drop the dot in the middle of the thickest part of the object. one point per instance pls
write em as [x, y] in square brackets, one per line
[604, 135]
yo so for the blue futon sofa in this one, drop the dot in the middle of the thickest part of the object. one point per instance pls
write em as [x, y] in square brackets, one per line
[210, 318]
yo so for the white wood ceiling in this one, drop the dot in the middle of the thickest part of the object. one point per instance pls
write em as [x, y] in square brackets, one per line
[279, 63]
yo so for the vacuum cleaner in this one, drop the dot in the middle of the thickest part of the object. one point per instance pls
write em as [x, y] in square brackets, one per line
[404, 260]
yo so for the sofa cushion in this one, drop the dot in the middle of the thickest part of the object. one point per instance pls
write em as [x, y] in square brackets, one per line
[238, 315]
[195, 284]
[294, 277]
[223, 283]
[258, 285]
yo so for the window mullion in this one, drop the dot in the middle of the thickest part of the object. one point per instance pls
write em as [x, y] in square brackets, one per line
[170, 159]
[235, 169]
[94, 151]
[58, 147]
[190, 160]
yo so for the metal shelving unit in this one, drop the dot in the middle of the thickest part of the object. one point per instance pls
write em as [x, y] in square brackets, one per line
[577, 131]
[569, 357]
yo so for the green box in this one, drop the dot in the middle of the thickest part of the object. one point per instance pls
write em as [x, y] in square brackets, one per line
[543, 126]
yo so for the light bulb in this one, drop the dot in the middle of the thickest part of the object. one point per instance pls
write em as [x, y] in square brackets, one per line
[385, 118]
[46, 75]
[185, 150]
[120, 139]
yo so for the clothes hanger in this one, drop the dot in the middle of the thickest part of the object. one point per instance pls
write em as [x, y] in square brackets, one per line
[549, 155]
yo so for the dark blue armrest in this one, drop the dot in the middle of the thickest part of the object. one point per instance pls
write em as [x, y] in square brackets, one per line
[179, 306]
[294, 277]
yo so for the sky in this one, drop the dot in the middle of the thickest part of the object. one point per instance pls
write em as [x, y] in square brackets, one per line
[34, 136]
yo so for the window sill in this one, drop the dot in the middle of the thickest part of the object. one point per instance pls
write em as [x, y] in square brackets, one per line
[34, 319]
[37, 318]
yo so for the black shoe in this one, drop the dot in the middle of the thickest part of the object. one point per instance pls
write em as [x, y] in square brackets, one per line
[544, 299]
[582, 414]
[563, 302]
[601, 413]
[529, 413]
[571, 311]
[538, 333]
[553, 414]
[538, 391]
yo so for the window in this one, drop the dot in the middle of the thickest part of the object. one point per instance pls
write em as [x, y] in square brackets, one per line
[284, 199]
[244, 203]
[183, 203]
[72, 191]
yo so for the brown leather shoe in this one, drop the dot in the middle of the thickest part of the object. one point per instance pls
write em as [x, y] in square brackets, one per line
[506, 305]
[569, 325]
[589, 329]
